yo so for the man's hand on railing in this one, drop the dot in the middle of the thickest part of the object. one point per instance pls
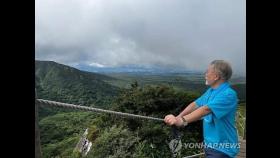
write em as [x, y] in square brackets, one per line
[172, 120]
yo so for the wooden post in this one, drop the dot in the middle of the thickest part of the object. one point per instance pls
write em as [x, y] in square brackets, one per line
[38, 153]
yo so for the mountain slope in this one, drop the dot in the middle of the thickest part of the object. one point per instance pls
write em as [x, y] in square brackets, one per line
[59, 82]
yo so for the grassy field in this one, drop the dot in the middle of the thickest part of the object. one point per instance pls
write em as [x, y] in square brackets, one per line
[242, 109]
[241, 119]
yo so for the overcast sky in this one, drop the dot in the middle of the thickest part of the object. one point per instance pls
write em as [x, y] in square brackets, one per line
[175, 33]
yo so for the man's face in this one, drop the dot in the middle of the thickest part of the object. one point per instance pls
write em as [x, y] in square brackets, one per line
[210, 76]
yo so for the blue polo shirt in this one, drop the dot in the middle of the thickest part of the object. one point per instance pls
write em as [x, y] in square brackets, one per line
[219, 129]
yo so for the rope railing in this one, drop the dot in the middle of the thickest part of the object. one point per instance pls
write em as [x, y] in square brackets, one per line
[79, 107]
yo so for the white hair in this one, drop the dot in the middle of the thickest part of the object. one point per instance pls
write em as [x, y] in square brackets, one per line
[223, 68]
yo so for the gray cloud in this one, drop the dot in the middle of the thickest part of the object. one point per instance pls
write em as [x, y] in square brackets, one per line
[184, 33]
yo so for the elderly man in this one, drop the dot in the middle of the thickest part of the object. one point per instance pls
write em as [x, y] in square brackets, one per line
[217, 108]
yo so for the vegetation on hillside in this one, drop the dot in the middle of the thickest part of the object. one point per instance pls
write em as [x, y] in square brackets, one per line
[113, 136]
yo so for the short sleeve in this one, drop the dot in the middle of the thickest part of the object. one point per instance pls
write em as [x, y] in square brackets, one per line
[199, 101]
[223, 104]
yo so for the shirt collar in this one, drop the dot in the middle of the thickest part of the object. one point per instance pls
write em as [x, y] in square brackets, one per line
[221, 86]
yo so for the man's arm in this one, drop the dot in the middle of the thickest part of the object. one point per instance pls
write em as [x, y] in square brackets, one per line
[191, 117]
[190, 108]
[197, 114]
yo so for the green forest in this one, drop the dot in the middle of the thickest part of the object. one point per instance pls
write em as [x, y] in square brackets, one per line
[111, 136]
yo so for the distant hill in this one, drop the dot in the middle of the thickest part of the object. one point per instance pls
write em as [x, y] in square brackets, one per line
[150, 70]
[63, 83]
[186, 82]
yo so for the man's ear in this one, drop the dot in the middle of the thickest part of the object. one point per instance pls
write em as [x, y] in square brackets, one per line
[217, 78]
